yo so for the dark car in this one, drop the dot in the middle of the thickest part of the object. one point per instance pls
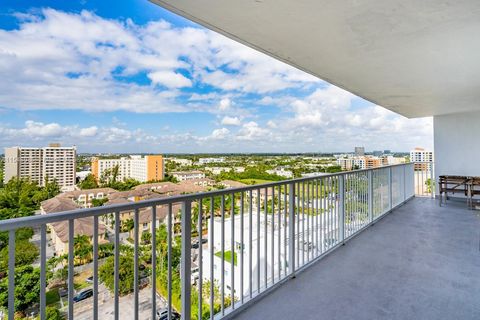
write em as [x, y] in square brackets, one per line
[196, 244]
[162, 314]
[83, 295]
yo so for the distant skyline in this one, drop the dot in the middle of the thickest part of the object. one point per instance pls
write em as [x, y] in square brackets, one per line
[130, 77]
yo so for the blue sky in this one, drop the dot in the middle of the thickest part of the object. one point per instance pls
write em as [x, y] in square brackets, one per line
[128, 76]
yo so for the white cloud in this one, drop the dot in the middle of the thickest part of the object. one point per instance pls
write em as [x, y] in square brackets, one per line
[231, 121]
[83, 61]
[220, 133]
[251, 131]
[170, 79]
[225, 104]
[89, 132]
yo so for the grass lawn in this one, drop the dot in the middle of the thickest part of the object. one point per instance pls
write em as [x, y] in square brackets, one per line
[79, 281]
[228, 256]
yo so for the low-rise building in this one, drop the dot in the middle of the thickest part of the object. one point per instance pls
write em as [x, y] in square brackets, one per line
[211, 160]
[59, 230]
[188, 175]
[282, 172]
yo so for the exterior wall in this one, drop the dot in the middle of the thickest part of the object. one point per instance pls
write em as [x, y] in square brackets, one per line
[95, 168]
[139, 168]
[57, 163]
[155, 168]
[456, 146]
[11, 164]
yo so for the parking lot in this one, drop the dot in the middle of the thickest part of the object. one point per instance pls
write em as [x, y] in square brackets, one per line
[83, 309]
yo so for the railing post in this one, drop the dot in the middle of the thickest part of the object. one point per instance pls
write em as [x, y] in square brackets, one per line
[432, 183]
[390, 200]
[370, 195]
[291, 228]
[404, 183]
[341, 207]
[185, 267]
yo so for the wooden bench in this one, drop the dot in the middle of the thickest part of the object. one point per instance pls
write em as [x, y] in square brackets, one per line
[453, 185]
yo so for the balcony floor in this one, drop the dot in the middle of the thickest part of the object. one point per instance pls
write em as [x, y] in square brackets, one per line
[420, 262]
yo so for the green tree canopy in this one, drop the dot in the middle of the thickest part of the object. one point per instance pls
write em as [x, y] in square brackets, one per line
[106, 273]
[27, 288]
[88, 183]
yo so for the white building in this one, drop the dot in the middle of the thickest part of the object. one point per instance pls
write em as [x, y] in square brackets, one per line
[143, 169]
[218, 170]
[421, 155]
[211, 160]
[53, 162]
[255, 248]
[188, 175]
[281, 172]
[181, 161]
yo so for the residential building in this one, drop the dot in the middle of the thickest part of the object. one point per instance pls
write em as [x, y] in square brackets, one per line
[359, 151]
[282, 172]
[180, 161]
[211, 160]
[363, 162]
[423, 159]
[59, 230]
[37, 164]
[218, 170]
[188, 175]
[143, 169]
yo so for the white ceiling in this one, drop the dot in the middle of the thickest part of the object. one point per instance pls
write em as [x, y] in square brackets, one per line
[415, 57]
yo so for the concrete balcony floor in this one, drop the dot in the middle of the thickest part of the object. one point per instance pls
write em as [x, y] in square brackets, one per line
[420, 262]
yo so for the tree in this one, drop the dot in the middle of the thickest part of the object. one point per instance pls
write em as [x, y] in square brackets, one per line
[99, 202]
[25, 253]
[128, 225]
[52, 313]
[146, 237]
[88, 183]
[125, 273]
[27, 288]
[82, 248]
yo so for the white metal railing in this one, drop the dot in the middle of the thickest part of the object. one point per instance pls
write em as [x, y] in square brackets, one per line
[424, 179]
[246, 240]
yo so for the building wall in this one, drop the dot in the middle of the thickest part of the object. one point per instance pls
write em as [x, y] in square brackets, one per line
[11, 164]
[155, 168]
[456, 144]
[36, 164]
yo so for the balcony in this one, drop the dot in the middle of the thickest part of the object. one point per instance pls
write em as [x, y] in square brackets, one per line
[283, 242]
[420, 262]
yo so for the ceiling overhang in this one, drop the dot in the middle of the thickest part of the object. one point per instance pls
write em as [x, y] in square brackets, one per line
[416, 58]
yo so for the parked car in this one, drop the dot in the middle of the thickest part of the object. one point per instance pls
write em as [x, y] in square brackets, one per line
[196, 244]
[162, 314]
[89, 279]
[83, 295]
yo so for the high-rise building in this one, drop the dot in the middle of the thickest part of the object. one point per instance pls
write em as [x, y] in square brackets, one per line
[359, 151]
[37, 164]
[423, 159]
[143, 169]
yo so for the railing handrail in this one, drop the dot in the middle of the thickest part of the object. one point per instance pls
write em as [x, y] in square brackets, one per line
[36, 220]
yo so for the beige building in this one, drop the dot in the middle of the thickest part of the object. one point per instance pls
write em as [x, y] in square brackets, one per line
[53, 162]
[59, 230]
[143, 169]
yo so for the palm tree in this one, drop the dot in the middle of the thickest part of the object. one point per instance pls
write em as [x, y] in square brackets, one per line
[82, 248]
